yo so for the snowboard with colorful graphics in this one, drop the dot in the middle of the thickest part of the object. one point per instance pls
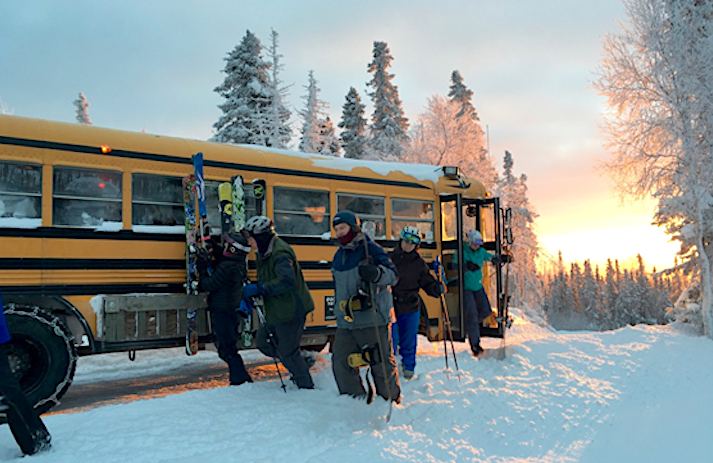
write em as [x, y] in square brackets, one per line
[189, 207]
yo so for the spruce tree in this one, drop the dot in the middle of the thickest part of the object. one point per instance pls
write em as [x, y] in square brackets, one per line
[527, 287]
[314, 116]
[82, 105]
[461, 95]
[278, 130]
[353, 126]
[248, 93]
[389, 128]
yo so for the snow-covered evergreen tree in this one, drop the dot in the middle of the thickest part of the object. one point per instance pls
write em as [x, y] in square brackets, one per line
[442, 138]
[527, 286]
[317, 130]
[277, 121]
[389, 128]
[463, 96]
[353, 125]
[657, 75]
[82, 105]
[249, 95]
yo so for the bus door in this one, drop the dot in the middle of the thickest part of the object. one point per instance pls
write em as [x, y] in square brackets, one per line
[458, 215]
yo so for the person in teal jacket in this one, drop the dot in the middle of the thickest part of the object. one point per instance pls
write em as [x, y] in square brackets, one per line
[477, 305]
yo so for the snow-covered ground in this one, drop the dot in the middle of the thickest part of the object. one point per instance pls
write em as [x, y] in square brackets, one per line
[638, 394]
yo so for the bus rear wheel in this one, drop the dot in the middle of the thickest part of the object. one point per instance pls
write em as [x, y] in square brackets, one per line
[41, 353]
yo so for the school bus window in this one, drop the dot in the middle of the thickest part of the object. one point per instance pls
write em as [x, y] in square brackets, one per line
[212, 204]
[20, 191]
[86, 197]
[370, 209]
[156, 200]
[412, 212]
[301, 212]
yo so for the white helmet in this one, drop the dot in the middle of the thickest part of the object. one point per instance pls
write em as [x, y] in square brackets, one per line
[411, 234]
[258, 224]
[474, 237]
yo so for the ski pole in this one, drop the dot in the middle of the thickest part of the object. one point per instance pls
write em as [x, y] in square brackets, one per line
[376, 330]
[271, 340]
[446, 318]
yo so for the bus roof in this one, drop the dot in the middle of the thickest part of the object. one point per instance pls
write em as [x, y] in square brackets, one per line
[89, 139]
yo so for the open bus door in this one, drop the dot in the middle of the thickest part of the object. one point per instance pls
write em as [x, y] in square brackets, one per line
[458, 215]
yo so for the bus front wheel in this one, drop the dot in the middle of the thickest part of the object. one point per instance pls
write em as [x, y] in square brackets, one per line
[41, 353]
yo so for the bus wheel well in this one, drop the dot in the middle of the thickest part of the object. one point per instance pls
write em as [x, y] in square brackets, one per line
[60, 308]
[41, 353]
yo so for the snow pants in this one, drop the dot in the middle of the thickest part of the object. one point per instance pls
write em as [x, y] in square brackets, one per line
[26, 426]
[477, 309]
[404, 332]
[347, 342]
[226, 324]
[287, 336]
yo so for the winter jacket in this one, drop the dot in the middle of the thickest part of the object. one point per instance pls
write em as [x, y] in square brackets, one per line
[225, 283]
[345, 270]
[286, 294]
[474, 278]
[413, 275]
[4, 330]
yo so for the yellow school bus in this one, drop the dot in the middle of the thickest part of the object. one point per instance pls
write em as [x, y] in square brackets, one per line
[92, 242]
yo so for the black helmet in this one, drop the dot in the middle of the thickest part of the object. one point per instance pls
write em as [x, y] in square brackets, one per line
[235, 243]
[347, 217]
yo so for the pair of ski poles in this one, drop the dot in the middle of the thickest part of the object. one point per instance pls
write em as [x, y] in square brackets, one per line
[445, 318]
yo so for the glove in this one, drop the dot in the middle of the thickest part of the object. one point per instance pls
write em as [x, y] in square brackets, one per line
[440, 288]
[203, 254]
[472, 266]
[507, 258]
[245, 309]
[496, 260]
[253, 290]
[436, 266]
[370, 273]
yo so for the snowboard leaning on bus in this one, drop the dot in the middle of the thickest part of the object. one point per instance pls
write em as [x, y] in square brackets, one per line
[362, 274]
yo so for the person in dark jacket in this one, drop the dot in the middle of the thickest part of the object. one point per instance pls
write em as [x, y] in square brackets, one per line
[413, 275]
[225, 285]
[282, 286]
[25, 424]
[367, 327]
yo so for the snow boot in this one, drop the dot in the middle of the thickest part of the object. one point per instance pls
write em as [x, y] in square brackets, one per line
[477, 350]
[408, 375]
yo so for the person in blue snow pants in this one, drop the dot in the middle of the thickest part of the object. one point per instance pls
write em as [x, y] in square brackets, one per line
[413, 275]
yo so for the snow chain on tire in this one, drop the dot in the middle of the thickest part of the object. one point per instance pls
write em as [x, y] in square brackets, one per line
[62, 332]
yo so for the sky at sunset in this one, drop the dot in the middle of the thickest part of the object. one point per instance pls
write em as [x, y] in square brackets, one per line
[153, 66]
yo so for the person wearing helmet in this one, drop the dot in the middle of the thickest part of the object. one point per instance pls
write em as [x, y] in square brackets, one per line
[413, 275]
[287, 299]
[26, 426]
[363, 323]
[477, 305]
[225, 287]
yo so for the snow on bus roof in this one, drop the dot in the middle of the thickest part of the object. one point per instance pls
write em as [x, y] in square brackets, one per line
[422, 172]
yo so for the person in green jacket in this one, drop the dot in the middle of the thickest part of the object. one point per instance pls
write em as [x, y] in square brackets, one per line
[287, 299]
[477, 305]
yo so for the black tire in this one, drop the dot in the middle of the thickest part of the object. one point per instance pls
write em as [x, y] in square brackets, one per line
[42, 355]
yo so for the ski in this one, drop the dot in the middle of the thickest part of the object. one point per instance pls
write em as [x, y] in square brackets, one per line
[226, 208]
[238, 202]
[238, 194]
[201, 224]
[259, 191]
[189, 204]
